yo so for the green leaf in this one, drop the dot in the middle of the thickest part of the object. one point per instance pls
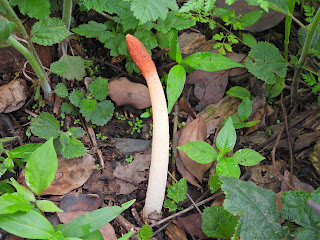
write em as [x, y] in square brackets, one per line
[251, 18]
[249, 39]
[77, 132]
[67, 108]
[146, 10]
[103, 113]
[227, 137]
[41, 167]
[215, 183]
[4, 29]
[39, 9]
[226, 166]
[178, 191]
[26, 193]
[47, 206]
[245, 109]
[148, 40]
[173, 21]
[45, 126]
[247, 157]
[91, 29]
[92, 221]
[266, 62]
[175, 84]
[14, 202]
[24, 151]
[99, 88]
[87, 107]
[71, 147]
[256, 207]
[274, 90]
[239, 92]
[59, 67]
[192, 5]
[61, 90]
[145, 232]
[76, 67]
[96, 235]
[171, 205]
[199, 151]
[5, 187]
[117, 45]
[126, 236]
[170, 39]
[31, 225]
[76, 97]
[210, 62]
[218, 222]
[49, 31]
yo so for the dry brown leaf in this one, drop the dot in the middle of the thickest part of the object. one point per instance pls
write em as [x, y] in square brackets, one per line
[194, 131]
[71, 174]
[123, 92]
[175, 233]
[192, 223]
[80, 202]
[194, 42]
[297, 184]
[13, 95]
[136, 171]
[184, 105]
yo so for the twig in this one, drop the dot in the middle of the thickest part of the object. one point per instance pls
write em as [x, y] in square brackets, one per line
[123, 180]
[160, 229]
[31, 113]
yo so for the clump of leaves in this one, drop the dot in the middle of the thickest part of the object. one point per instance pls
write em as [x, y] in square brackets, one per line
[176, 193]
[314, 83]
[92, 105]
[66, 143]
[137, 125]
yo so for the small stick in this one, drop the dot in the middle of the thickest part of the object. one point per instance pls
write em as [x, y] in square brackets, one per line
[123, 180]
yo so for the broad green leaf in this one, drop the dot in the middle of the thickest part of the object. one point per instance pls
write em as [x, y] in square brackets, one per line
[26, 193]
[59, 67]
[256, 207]
[5, 187]
[6, 139]
[177, 192]
[24, 151]
[76, 68]
[226, 166]
[77, 132]
[218, 222]
[173, 21]
[76, 97]
[145, 232]
[45, 126]
[251, 123]
[274, 90]
[266, 62]
[47, 206]
[49, 31]
[39, 9]
[175, 84]
[61, 90]
[215, 183]
[249, 39]
[170, 39]
[126, 236]
[210, 62]
[147, 39]
[239, 92]
[245, 109]
[4, 29]
[87, 107]
[67, 108]
[14, 202]
[146, 10]
[96, 235]
[117, 44]
[251, 17]
[199, 151]
[99, 88]
[91, 29]
[71, 147]
[103, 113]
[227, 137]
[247, 157]
[302, 34]
[41, 167]
[92, 221]
[31, 225]
[171, 205]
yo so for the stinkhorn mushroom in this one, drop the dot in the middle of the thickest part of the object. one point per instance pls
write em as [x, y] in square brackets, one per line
[160, 135]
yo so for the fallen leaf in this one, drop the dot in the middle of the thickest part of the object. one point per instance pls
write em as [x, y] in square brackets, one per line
[136, 171]
[123, 92]
[314, 157]
[175, 233]
[194, 42]
[184, 105]
[297, 184]
[80, 202]
[71, 174]
[194, 131]
[13, 95]
[192, 223]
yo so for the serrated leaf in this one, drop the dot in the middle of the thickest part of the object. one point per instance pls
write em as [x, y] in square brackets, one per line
[218, 222]
[245, 109]
[146, 10]
[147, 39]
[175, 84]
[247, 157]
[178, 191]
[173, 21]
[171, 205]
[76, 97]
[115, 44]
[227, 137]
[226, 166]
[66, 108]
[210, 62]
[98, 5]
[61, 90]
[199, 151]
[103, 113]
[192, 5]
[71, 147]
[99, 88]
[256, 207]
[59, 67]
[266, 62]
[49, 31]
[76, 67]
[47, 206]
[239, 92]
[41, 167]
[145, 232]
[39, 9]
[14, 202]
[77, 132]
[91, 29]
[87, 107]
[45, 126]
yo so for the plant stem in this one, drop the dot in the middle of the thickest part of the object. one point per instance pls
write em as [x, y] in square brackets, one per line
[38, 68]
[288, 23]
[66, 18]
[311, 30]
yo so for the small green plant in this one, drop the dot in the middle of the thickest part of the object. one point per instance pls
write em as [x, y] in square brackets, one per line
[99, 136]
[120, 117]
[137, 125]
[176, 193]
[147, 113]
[150, 129]
[145, 233]
[129, 159]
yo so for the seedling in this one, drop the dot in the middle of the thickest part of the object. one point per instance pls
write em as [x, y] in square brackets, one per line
[147, 113]
[176, 193]
[120, 117]
[99, 136]
[129, 159]
[137, 126]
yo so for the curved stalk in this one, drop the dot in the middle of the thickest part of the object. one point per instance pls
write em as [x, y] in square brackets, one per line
[66, 18]
[160, 140]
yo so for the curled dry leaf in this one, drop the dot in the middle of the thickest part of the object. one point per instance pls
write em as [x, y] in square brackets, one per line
[297, 184]
[184, 105]
[194, 131]
[175, 233]
[123, 92]
[192, 223]
[71, 174]
[13, 95]
[194, 42]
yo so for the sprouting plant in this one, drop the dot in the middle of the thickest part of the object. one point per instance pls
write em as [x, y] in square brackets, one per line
[309, 12]
[182, 124]
[120, 117]
[145, 232]
[150, 129]
[175, 194]
[129, 159]
[226, 42]
[137, 125]
[147, 113]
[99, 136]
[77, 121]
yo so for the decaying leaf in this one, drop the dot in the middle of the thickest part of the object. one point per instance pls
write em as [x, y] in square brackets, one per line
[184, 105]
[13, 95]
[123, 92]
[193, 223]
[71, 174]
[175, 233]
[194, 131]
[194, 42]
[297, 184]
